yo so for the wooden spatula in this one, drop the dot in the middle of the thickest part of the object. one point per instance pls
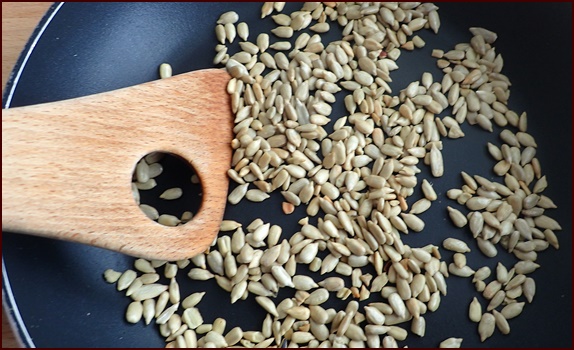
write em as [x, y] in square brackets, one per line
[67, 166]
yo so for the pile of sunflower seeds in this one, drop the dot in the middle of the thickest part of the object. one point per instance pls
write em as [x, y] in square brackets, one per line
[356, 181]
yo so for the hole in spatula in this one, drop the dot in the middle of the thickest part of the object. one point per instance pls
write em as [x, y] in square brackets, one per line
[166, 188]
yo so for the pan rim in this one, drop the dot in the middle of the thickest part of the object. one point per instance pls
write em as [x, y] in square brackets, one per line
[9, 303]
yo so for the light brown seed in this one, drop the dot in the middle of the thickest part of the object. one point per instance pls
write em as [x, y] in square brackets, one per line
[455, 245]
[148, 291]
[529, 289]
[457, 217]
[475, 310]
[512, 310]
[192, 317]
[134, 312]
[486, 326]
[501, 322]
[451, 343]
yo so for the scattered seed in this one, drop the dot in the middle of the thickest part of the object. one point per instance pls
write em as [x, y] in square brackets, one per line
[134, 312]
[172, 193]
[451, 343]
[455, 245]
[165, 70]
[168, 220]
[486, 326]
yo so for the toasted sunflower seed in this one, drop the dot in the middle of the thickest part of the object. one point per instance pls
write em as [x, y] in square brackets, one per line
[486, 326]
[455, 245]
[457, 217]
[134, 312]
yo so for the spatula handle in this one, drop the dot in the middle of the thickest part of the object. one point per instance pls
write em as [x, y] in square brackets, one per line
[67, 166]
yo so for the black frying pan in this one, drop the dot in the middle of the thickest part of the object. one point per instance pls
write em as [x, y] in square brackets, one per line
[55, 291]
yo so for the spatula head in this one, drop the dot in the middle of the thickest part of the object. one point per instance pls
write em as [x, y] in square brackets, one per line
[67, 166]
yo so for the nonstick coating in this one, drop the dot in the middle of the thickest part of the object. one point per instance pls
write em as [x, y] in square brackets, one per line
[57, 287]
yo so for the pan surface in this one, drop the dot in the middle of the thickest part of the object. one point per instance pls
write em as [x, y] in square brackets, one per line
[55, 291]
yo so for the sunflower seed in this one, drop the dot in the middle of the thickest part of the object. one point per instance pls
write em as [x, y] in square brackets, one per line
[428, 190]
[112, 276]
[126, 279]
[512, 310]
[199, 274]
[166, 314]
[192, 317]
[529, 289]
[256, 195]
[165, 70]
[525, 267]
[243, 30]
[501, 322]
[457, 217]
[134, 312]
[464, 271]
[148, 291]
[282, 277]
[228, 17]
[455, 245]
[486, 326]
[451, 343]
[317, 297]
[283, 31]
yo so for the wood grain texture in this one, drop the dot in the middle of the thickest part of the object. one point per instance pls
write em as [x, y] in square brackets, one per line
[67, 166]
[18, 22]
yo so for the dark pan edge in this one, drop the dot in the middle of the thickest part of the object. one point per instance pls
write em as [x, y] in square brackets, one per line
[28, 49]
[13, 313]
[8, 302]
